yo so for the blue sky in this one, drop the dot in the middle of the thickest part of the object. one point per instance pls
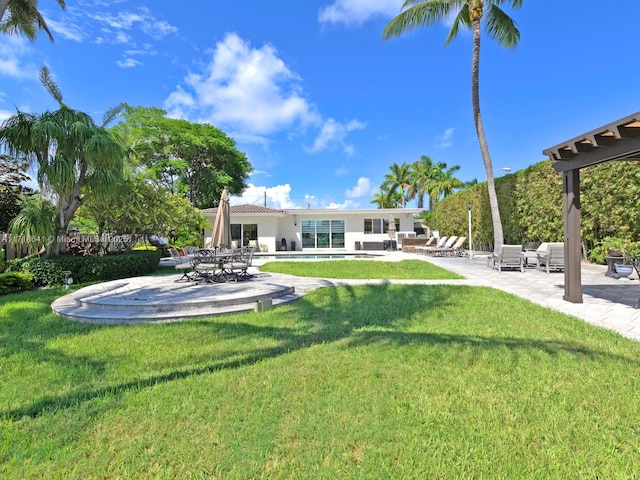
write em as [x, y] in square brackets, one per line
[321, 105]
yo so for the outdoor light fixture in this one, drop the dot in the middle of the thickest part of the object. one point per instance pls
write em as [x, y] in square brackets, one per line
[68, 280]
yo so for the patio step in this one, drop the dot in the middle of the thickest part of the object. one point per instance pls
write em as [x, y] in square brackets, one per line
[160, 299]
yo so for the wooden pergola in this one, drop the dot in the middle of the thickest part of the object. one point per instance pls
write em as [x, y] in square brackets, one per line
[619, 140]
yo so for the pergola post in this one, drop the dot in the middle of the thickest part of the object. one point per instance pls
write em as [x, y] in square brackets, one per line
[572, 248]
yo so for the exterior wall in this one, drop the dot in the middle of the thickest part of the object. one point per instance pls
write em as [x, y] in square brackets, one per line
[272, 228]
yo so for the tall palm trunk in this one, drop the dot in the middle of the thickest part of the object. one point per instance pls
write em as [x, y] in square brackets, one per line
[498, 237]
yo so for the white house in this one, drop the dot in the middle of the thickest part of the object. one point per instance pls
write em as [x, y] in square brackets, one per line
[313, 229]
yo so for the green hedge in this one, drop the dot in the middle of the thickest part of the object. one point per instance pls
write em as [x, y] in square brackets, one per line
[48, 270]
[530, 202]
[12, 282]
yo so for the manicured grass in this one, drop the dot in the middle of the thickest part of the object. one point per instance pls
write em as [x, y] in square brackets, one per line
[379, 381]
[362, 269]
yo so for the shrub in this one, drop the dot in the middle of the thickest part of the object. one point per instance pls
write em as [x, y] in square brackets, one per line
[48, 271]
[11, 282]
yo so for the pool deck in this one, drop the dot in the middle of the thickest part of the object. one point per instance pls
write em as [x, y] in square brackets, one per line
[607, 302]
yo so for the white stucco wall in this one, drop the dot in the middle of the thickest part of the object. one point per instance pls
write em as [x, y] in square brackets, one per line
[272, 228]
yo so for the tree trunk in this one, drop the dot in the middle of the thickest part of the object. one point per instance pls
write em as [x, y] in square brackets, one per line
[498, 237]
[3, 8]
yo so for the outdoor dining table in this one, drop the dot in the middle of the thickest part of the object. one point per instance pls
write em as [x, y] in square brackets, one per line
[212, 264]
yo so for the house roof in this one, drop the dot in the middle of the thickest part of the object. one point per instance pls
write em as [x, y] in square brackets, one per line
[249, 209]
[246, 208]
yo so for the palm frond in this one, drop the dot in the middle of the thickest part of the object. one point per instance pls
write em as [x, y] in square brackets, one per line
[420, 13]
[462, 19]
[50, 85]
[112, 113]
[501, 27]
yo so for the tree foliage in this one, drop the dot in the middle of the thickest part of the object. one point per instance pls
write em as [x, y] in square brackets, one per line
[193, 159]
[12, 174]
[140, 208]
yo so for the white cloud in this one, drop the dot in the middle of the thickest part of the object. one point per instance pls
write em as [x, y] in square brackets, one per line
[446, 139]
[67, 30]
[117, 26]
[362, 189]
[276, 197]
[4, 114]
[333, 134]
[13, 50]
[247, 89]
[357, 12]
[128, 63]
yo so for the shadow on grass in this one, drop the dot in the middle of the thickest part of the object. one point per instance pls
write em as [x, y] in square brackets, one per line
[359, 316]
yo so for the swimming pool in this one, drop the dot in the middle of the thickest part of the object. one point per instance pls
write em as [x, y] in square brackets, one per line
[310, 256]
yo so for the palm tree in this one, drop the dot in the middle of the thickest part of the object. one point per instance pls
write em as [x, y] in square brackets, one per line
[444, 183]
[499, 26]
[24, 18]
[398, 180]
[75, 157]
[387, 199]
[421, 176]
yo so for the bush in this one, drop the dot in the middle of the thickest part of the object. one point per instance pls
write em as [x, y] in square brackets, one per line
[48, 271]
[11, 282]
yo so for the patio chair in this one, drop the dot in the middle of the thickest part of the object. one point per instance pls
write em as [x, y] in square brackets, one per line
[236, 267]
[207, 266]
[449, 241]
[431, 242]
[509, 256]
[553, 258]
[183, 264]
[455, 249]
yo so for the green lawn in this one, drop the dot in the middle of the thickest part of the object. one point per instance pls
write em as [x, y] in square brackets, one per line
[362, 269]
[379, 381]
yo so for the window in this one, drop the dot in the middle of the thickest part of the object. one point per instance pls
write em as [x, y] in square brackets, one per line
[379, 225]
[322, 233]
[242, 233]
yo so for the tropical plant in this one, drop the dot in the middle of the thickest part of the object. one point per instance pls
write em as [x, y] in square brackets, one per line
[468, 14]
[387, 198]
[75, 157]
[34, 226]
[422, 173]
[24, 18]
[398, 180]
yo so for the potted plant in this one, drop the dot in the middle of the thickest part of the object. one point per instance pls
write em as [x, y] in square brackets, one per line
[628, 250]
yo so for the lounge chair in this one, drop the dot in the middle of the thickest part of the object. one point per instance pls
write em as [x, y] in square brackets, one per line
[447, 244]
[553, 258]
[431, 242]
[183, 264]
[509, 256]
[455, 249]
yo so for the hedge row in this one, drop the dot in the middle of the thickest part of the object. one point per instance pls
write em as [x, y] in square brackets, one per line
[12, 282]
[530, 203]
[48, 270]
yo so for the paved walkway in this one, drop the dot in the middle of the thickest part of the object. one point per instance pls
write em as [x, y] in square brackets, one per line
[607, 302]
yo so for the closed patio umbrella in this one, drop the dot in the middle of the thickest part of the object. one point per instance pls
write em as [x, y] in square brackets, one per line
[221, 234]
[392, 232]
